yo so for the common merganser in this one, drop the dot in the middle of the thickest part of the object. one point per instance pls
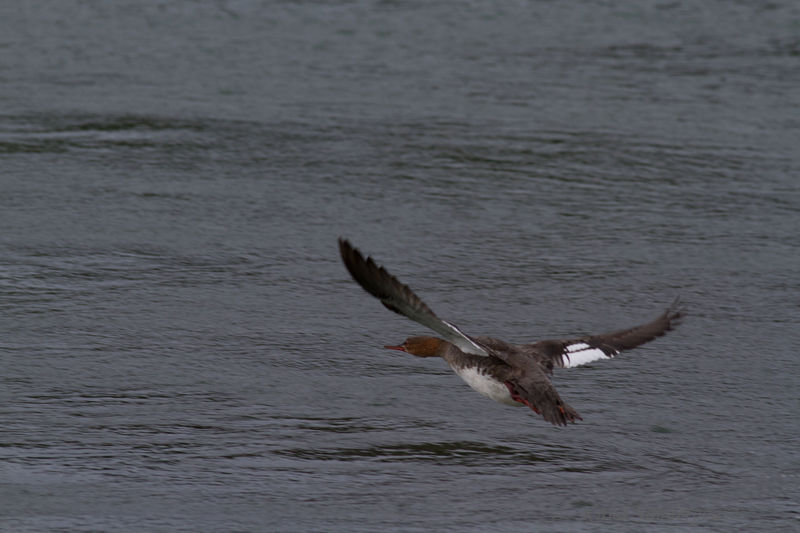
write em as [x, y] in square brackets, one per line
[513, 374]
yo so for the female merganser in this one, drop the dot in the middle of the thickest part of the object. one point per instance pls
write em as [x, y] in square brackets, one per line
[513, 374]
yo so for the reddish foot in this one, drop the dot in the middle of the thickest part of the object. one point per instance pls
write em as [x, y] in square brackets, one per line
[517, 398]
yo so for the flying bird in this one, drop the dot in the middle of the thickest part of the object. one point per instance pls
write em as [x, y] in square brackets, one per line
[512, 374]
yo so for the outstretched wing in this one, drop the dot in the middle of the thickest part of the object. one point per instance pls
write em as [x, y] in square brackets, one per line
[568, 353]
[399, 298]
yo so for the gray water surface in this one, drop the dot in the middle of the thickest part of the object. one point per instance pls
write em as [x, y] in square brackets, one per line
[182, 350]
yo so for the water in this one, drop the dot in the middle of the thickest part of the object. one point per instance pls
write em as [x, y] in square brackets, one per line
[182, 349]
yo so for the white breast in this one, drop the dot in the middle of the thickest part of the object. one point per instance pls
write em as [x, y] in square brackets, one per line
[487, 386]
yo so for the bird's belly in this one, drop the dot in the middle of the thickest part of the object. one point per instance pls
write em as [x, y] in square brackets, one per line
[484, 384]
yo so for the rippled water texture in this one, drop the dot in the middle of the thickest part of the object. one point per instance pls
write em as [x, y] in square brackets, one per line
[182, 350]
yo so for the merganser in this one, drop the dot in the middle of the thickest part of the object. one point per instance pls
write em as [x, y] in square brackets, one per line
[513, 374]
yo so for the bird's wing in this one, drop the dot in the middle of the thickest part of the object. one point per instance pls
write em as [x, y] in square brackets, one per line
[568, 353]
[399, 298]
[534, 389]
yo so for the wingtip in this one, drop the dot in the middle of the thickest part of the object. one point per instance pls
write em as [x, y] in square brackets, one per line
[676, 311]
[344, 245]
[350, 254]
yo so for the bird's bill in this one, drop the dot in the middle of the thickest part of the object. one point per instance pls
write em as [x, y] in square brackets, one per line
[400, 348]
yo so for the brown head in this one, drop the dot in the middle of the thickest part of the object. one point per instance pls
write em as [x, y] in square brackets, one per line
[422, 346]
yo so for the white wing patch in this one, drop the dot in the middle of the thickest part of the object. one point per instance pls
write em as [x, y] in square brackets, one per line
[581, 353]
[461, 340]
[577, 347]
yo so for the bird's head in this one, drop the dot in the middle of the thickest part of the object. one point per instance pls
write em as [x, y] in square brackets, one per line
[421, 346]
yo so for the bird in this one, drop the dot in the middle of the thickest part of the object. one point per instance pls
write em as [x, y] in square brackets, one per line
[512, 374]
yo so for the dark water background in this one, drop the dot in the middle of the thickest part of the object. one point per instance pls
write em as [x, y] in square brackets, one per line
[181, 349]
